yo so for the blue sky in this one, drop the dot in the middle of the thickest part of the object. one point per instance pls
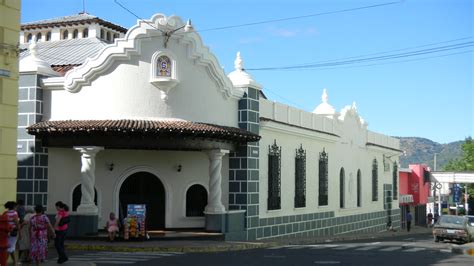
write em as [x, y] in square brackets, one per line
[430, 96]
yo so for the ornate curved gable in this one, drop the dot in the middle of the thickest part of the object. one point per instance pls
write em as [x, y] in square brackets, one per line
[158, 26]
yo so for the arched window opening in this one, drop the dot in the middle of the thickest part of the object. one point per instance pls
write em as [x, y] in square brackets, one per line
[163, 66]
[323, 179]
[85, 33]
[359, 188]
[375, 181]
[102, 34]
[300, 178]
[108, 36]
[65, 34]
[196, 201]
[48, 36]
[77, 195]
[29, 38]
[341, 188]
[39, 36]
[75, 34]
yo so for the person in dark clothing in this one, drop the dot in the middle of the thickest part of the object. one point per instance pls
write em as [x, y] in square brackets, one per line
[20, 209]
[409, 218]
[60, 229]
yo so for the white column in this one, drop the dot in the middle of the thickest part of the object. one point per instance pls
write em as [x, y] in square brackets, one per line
[88, 178]
[214, 203]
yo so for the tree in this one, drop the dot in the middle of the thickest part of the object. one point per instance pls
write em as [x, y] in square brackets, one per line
[465, 164]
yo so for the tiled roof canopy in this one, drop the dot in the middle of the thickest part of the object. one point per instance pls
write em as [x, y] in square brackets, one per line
[79, 19]
[175, 128]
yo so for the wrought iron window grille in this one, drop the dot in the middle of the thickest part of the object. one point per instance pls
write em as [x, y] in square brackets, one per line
[274, 177]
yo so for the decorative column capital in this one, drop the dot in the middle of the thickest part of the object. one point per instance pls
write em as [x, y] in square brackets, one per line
[216, 154]
[88, 150]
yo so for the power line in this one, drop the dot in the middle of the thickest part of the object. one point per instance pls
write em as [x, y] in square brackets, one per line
[370, 59]
[298, 17]
[396, 50]
[129, 11]
[245, 24]
[385, 63]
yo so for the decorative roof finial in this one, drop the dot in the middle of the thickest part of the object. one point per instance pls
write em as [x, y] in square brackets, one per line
[238, 63]
[354, 106]
[324, 97]
[189, 26]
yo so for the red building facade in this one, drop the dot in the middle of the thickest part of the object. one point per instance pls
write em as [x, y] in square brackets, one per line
[414, 191]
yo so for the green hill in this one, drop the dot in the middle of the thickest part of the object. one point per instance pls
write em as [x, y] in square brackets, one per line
[422, 151]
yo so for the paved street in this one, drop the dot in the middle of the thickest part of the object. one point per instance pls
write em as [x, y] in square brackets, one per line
[402, 250]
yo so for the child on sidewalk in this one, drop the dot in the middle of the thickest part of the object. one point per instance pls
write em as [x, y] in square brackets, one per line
[112, 226]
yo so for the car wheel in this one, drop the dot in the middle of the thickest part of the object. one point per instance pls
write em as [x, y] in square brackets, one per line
[436, 239]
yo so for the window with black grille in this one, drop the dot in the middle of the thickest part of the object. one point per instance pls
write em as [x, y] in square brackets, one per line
[395, 180]
[341, 188]
[375, 180]
[274, 172]
[323, 179]
[300, 178]
[359, 188]
[196, 201]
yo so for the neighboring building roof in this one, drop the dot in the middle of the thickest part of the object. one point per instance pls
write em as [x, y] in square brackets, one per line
[176, 128]
[78, 19]
[62, 69]
[66, 52]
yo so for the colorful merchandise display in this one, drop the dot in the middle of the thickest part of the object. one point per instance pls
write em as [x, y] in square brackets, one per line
[134, 223]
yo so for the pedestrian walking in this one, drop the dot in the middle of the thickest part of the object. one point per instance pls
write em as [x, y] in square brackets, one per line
[5, 229]
[409, 218]
[20, 209]
[39, 227]
[14, 221]
[24, 239]
[60, 228]
[429, 219]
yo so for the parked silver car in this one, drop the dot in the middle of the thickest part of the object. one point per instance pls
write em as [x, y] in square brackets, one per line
[453, 227]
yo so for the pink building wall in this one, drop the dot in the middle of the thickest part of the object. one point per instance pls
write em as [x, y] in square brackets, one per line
[413, 183]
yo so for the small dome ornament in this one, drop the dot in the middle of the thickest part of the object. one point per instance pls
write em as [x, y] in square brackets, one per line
[32, 62]
[324, 108]
[239, 77]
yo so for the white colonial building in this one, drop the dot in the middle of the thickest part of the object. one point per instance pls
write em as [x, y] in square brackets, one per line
[153, 119]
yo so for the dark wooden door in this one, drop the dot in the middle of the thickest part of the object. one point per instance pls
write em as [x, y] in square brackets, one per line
[144, 188]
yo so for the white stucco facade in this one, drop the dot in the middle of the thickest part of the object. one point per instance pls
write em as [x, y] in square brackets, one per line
[216, 132]
[65, 175]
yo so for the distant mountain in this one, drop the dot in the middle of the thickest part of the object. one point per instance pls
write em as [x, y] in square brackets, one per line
[422, 151]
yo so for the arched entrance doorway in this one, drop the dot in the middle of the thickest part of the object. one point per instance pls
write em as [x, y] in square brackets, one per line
[144, 188]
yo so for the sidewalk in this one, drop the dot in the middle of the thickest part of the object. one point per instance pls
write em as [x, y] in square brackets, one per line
[190, 245]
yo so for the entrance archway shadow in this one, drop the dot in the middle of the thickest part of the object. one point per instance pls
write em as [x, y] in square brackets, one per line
[144, 188]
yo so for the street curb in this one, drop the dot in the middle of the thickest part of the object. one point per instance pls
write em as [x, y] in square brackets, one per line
[463, 250]
[233, 247]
